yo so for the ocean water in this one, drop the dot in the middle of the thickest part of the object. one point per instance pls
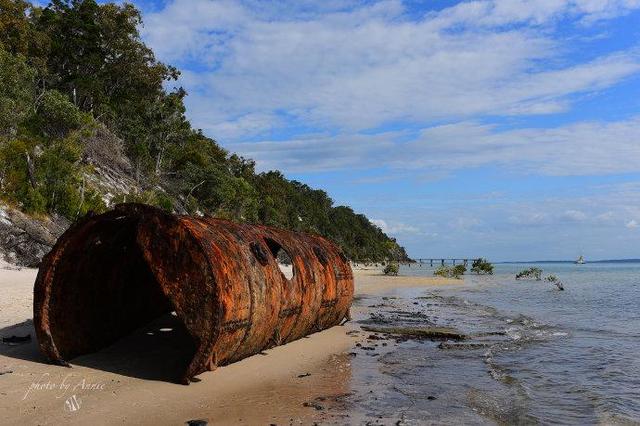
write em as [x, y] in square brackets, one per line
[535, 355]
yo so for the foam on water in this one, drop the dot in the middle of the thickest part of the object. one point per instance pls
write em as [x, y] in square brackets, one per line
[575, 352]
[533, 354]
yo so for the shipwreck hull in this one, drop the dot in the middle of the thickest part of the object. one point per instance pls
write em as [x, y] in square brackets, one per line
[113, 273]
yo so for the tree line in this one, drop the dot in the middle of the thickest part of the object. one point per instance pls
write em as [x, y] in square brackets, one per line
[76, 68]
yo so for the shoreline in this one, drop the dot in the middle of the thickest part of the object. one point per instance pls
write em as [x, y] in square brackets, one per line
[296, 375]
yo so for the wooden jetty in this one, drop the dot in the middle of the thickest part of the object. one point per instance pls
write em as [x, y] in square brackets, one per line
[443, 261]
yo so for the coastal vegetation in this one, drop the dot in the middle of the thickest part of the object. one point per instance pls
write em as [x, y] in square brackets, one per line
[482, 266]
[453, 271]
[392, 268]
[534, 273]
[530, 274]
[555, 281]
[77, 72]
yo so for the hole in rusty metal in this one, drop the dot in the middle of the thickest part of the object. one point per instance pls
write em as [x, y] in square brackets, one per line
[259, 252]
[322, 257]
[282, 257]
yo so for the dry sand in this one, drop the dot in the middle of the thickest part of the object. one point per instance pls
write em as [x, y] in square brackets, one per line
[124, 383]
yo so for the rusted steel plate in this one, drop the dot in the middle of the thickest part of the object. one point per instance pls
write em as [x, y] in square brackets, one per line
[113, 273]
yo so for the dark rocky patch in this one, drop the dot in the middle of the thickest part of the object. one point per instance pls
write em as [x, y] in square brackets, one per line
[433, 333]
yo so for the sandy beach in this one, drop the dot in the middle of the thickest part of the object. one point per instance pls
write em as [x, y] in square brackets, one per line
[128, 382]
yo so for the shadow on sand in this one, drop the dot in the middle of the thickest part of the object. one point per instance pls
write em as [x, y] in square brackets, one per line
[158, 351]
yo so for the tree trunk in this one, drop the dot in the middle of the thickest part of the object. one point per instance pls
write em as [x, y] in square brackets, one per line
[30, 170]
[81, 198]
[159, 161]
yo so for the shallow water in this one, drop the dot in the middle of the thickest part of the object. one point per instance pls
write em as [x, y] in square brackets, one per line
[533, 354]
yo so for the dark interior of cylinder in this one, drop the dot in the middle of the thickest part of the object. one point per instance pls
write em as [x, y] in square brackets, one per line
[282, 257]
[103, 289]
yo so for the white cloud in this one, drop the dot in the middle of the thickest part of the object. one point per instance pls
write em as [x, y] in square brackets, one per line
[318, 152]
[539, 12]
[394, 228]
[605, 218]
[535, 218]
[465, 223]
[574, 215]
[341, 66]
[583, 148]
[524, 227]
[550, 216]
[308, 86]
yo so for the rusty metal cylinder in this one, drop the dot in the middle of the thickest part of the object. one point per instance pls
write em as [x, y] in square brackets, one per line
[112, 273]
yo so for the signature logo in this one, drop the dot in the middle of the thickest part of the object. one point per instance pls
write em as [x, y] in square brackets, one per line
[72, 404]
[68, 389]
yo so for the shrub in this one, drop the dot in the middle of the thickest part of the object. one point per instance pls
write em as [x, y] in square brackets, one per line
[150, 197]
[57, 116]
[392, 268]
[482, 266]
[154, 197]
[459, 270]
[165, 202]
[450, 271]
[16, 91]
[33, 201]
[46, 178]
[554, 280]
[530, 274]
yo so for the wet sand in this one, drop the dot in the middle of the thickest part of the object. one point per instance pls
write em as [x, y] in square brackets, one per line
[306, 381]
[371, 281]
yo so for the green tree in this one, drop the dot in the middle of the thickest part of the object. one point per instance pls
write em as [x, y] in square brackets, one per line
[555, 281]
[446, 271]
[17, 92]
[77, 65]
[15, 27]
[98, 60]
[482, 266]
[19, 35]
[528, 274]
[392, 268]
[57, 116]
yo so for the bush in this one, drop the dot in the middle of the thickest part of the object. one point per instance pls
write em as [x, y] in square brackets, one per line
[16, 91]
[554, 280]
[392, 268]
[459, 270]
[33, 201]
[57, 116]
[450, 271]
[46, 179]
[482, 266]
[442, 271]
[530, 274]
[165, 202]
[149, 197]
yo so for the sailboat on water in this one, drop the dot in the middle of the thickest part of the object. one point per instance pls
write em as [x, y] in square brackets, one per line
[580, 260]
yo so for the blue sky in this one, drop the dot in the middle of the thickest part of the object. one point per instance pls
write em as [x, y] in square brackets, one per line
[506, 129]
